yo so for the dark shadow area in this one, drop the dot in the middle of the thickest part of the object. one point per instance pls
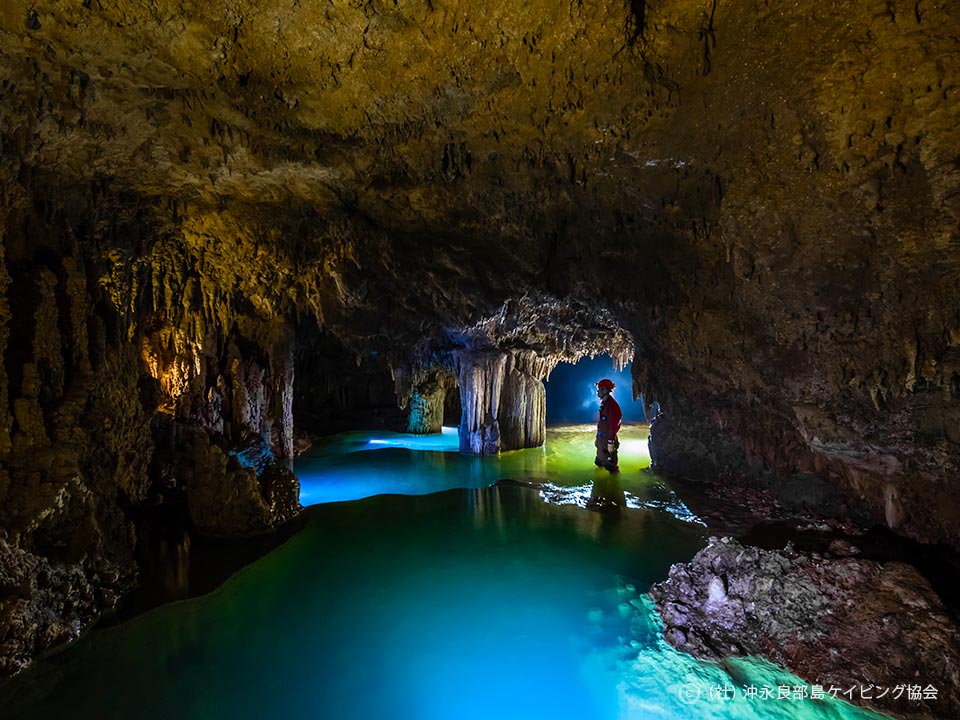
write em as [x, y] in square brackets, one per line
[334, 390]
[177, 563]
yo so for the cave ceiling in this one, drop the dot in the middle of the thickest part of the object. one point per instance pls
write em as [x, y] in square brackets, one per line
[760, 193]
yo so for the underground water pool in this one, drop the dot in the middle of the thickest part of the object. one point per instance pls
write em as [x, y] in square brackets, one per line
[425, 585]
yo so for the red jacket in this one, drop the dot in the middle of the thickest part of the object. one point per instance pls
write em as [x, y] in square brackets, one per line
[610, 417]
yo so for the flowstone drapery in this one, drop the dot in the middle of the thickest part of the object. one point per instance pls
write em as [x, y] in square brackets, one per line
[504, 406]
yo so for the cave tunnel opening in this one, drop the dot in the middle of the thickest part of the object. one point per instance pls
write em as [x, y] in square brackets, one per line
[572, 396]
[418, 453]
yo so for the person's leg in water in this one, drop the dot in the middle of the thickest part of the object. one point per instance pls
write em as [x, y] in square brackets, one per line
[601, 443]
[611, 456]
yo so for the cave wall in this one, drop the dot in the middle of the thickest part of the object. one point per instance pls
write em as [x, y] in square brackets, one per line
[816, 328]
[119, 392]
[76, 440]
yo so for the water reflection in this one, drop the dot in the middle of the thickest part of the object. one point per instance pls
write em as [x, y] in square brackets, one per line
[476, 603]
[357, 465]
[174, 559]
[164, 554]
[607, 492]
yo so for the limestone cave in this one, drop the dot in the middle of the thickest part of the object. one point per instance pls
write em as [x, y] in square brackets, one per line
[311, 314]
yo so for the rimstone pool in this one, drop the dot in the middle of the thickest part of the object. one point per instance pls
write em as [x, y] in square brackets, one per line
[425, 585]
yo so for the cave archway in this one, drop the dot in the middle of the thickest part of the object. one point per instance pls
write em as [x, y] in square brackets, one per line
[488, 374]
[571, 391]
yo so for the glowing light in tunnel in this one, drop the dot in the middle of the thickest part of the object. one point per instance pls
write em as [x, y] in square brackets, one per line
[446, 441]
[572, 392]
[634, 446]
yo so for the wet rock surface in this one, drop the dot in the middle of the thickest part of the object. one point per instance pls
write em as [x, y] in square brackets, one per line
[105, 388]
[47, 602]
[227, 496]
[831, 620]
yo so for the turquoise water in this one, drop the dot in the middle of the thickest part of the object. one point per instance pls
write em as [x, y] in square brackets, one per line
[356, 465]
[507, 601]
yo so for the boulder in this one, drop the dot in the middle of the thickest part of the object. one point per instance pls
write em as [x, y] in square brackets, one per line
[843, 621]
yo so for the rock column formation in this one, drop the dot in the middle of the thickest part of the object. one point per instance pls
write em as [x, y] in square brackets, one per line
[504, 406]
[523, 411]
[481, 384]
[425, 407]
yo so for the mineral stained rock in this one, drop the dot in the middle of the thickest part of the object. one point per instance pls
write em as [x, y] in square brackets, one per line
[832, 621]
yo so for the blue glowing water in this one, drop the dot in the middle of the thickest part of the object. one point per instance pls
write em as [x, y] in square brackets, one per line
[503, 601]
[356, 465]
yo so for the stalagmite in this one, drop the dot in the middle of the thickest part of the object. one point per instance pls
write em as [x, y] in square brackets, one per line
[426, 412]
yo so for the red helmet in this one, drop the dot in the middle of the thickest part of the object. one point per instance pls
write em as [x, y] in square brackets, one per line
[606, 384]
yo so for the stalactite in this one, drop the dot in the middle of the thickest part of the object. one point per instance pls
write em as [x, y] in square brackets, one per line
[481, 381]
[555, 330]
[523, 411]
[504, 406]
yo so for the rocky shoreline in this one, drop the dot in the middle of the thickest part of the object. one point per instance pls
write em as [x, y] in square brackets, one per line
[833, 620]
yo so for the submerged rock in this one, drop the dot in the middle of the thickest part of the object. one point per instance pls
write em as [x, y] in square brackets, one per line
[842, 622]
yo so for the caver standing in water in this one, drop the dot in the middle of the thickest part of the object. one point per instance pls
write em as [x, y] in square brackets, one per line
[608, 427]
